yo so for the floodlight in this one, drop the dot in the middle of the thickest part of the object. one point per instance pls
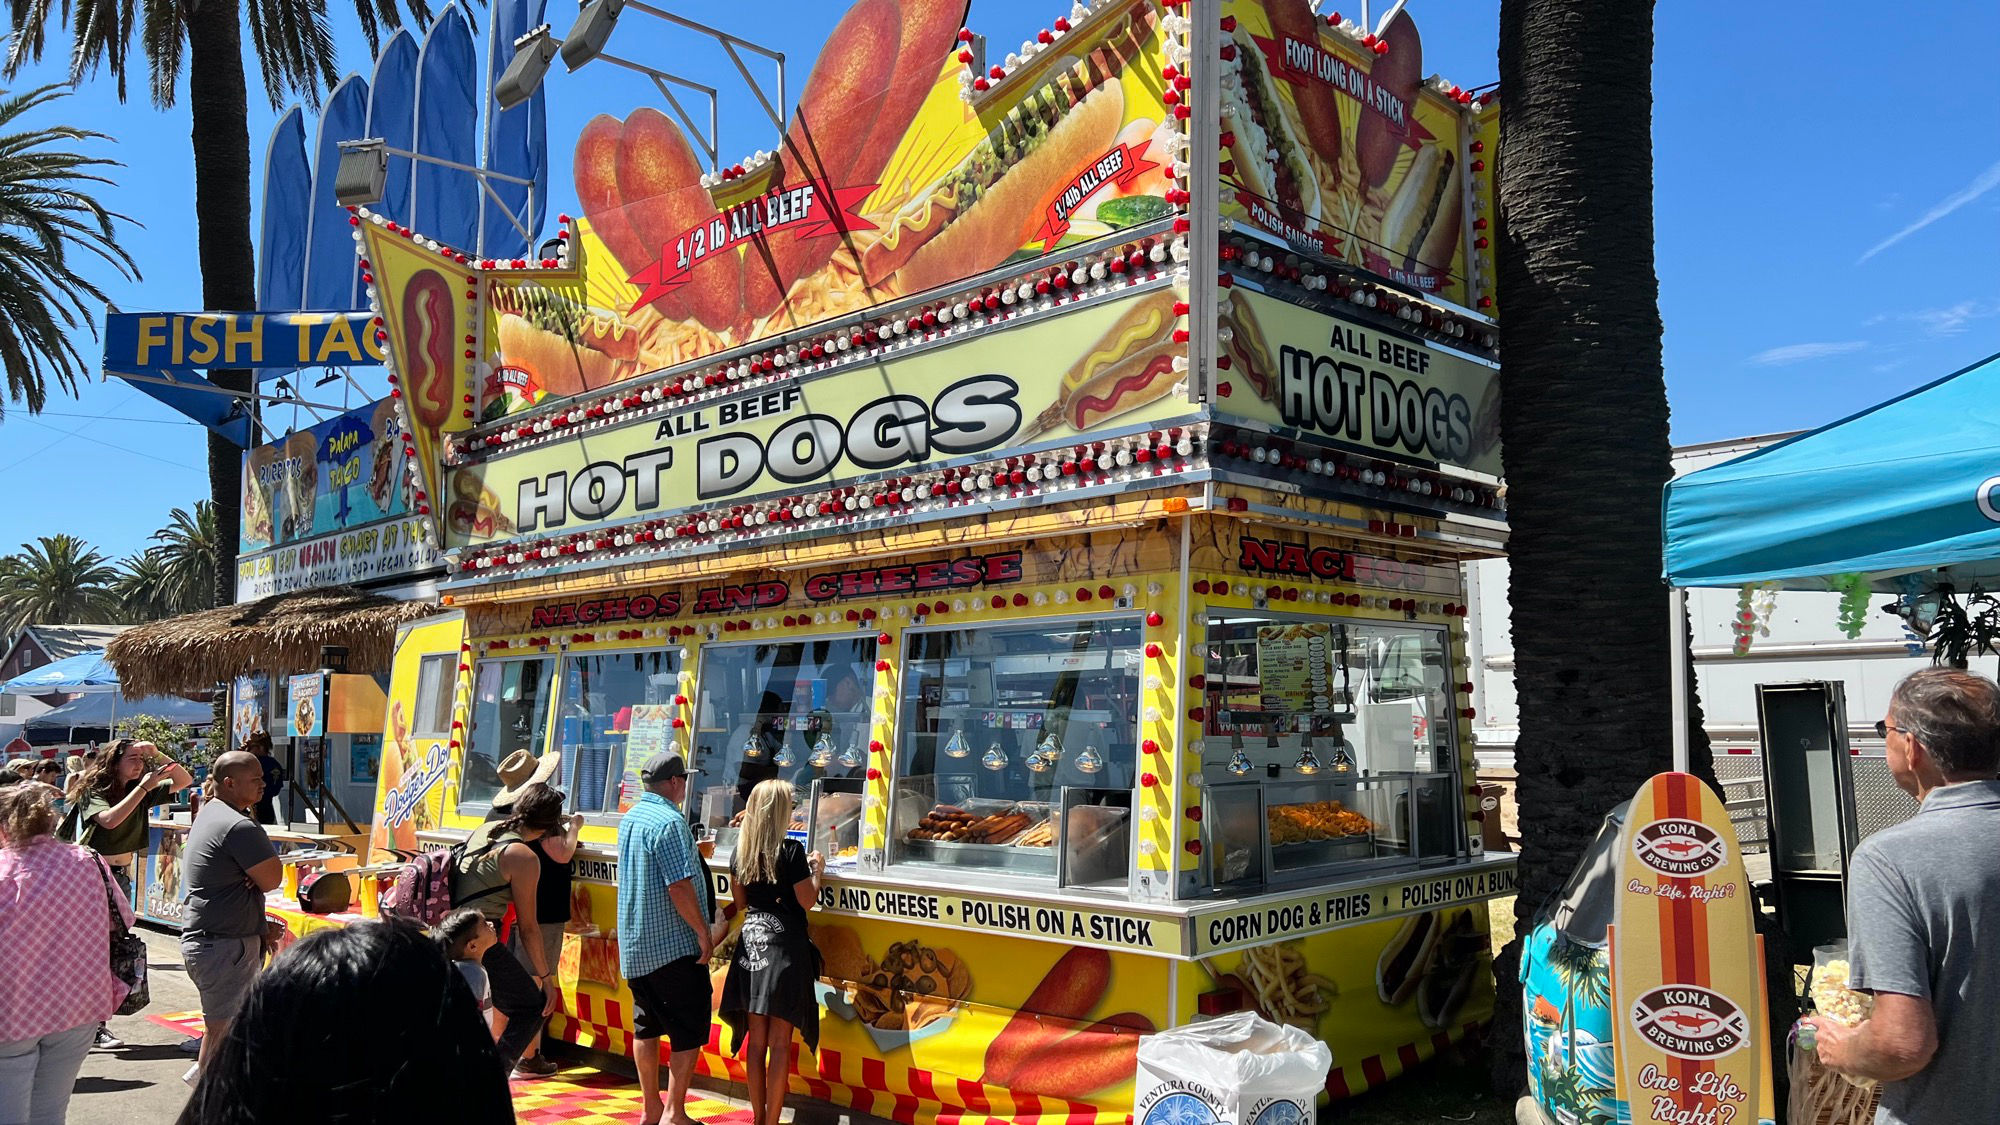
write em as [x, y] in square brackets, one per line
[524, 72]
[363, 169]
[590, 32]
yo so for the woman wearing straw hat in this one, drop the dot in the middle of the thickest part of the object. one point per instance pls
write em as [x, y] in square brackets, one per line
[552, 890]
[499, 871]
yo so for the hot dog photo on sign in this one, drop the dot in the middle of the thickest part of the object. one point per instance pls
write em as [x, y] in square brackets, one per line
[1340, 149]
[890, 179]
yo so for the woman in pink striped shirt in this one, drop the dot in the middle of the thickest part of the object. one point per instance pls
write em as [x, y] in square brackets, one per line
[54, 915]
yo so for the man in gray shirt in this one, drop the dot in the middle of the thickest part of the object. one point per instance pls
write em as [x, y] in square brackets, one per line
[1923, 899]
[227, 867]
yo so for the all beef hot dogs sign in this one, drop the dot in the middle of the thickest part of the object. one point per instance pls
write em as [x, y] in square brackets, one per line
[1109, 363]
[1359, 384]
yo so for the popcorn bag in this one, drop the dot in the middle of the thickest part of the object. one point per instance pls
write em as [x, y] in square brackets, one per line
[1820, 1095]
[1239, 1069]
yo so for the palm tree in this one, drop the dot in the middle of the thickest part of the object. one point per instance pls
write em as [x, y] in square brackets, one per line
[47, 214]
[295, 55]
[141, 587]
[188, 548]
[1585, 974]
[1584, 433]
[58, 581]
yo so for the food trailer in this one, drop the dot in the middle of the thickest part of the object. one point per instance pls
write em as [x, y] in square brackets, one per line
[1058, 470]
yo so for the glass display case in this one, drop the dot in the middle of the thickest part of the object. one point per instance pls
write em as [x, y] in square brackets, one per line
[797, 710]
[1327, 746]
[616, 711]
[510, 711]
[833, 824]
[996, 724]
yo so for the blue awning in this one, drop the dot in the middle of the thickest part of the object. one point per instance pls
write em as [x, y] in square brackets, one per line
[82, 674]
[101, 712]
[1907, 486]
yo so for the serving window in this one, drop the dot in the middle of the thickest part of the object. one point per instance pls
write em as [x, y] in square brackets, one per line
[998, 724]
[797, 710]
[1312, 695]
[1327, 744]
[617, 709]
[510, 711]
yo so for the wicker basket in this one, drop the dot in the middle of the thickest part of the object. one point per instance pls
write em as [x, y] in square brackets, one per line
[1822, 1097]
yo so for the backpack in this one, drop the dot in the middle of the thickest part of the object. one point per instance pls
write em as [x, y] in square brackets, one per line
[422, 890]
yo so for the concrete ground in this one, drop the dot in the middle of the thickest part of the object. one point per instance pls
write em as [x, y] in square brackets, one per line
[141, 1081]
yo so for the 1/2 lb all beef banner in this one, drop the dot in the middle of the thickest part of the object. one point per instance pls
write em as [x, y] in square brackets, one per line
[889, 181]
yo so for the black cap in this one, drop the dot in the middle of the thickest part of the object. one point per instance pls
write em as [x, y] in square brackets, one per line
[664, 765]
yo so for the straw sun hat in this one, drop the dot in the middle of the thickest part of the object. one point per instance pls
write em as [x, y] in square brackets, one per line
[520, 770]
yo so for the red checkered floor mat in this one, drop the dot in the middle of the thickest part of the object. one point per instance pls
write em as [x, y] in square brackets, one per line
[581, 1094]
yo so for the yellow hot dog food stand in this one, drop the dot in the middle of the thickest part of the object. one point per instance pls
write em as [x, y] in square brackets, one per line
[1098, 592]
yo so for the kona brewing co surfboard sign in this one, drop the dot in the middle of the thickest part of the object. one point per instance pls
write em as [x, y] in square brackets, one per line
[1687, 994]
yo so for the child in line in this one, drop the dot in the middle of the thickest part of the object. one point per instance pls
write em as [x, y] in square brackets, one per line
[465, 935]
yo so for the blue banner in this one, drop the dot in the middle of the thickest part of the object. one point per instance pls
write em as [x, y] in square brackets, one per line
[331, 266]
[281, 252]
[517, 143]
[446, 202]
[392, 116]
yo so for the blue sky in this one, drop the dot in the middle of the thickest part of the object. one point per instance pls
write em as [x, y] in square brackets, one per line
[1828, 216]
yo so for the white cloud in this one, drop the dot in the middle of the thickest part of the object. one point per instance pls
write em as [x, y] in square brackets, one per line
[1952, 319]
[1986, 181]
[1801, 353]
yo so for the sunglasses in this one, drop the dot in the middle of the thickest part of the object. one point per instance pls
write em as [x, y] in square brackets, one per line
[1882, 729]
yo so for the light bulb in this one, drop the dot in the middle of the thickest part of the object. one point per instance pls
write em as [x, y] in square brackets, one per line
[822, 755]
[784, 759]
[1239, 762]
[957, 747]
[851, 757]
[1308, 762]
[1343, 762]
[994, 759]
[1041, 761]
[1090, 761]
[751, 747]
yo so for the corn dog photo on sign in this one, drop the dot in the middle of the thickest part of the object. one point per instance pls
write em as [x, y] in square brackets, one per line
[1687, 998]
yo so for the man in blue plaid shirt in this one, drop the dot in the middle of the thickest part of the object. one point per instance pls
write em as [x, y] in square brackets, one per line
[665, 934]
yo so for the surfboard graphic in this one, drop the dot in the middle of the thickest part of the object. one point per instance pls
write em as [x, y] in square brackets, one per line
[1687, 989]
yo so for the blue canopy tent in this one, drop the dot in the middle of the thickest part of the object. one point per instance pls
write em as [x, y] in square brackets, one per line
[86, 673]
[93, 716]
[1904, 494]
[1895, 493]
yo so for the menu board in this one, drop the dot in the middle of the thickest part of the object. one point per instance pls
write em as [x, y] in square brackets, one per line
[305, 705]
[652, 732]
[1294, 672]
[249, 697]
[364, 759]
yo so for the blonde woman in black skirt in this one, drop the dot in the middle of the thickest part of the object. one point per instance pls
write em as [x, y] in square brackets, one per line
[769, 990]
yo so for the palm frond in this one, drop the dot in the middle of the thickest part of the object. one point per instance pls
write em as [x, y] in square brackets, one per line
[47, 212]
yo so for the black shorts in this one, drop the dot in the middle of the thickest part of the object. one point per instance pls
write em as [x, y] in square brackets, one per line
[673, 1002]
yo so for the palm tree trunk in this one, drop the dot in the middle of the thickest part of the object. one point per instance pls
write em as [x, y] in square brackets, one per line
[1584, 434]
[219, 99]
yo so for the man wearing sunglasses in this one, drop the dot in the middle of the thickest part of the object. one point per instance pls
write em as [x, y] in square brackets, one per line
[1922, 898]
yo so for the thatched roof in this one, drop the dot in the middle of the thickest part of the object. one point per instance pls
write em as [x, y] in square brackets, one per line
[280, 634]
